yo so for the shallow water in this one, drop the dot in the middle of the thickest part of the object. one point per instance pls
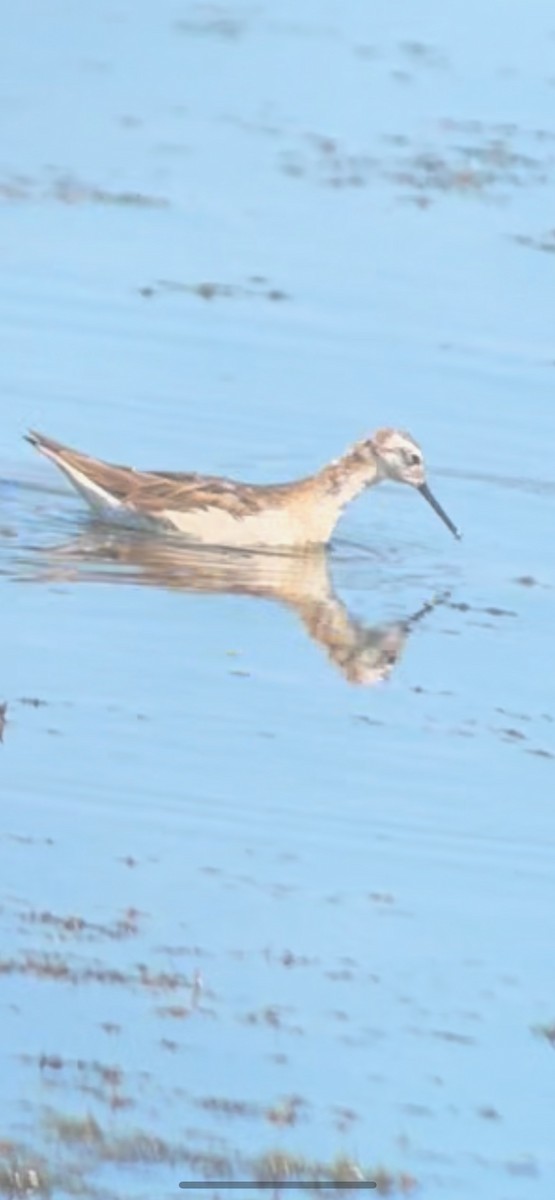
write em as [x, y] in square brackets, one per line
[277, 840]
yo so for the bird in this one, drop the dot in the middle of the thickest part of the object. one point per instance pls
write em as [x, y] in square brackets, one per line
[216, 511]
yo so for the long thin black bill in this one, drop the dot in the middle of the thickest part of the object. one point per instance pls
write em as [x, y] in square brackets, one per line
[428, 495]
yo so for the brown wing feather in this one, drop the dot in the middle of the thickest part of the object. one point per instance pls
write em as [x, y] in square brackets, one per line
[156, 491]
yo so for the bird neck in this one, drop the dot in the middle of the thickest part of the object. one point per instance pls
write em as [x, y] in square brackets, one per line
[347, 476]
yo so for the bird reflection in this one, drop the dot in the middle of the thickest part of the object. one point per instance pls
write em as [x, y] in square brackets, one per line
[364, 654]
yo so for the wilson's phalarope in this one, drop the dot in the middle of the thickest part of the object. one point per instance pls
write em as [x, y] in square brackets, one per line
[222, 512]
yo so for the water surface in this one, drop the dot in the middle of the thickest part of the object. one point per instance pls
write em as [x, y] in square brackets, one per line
[277, 839]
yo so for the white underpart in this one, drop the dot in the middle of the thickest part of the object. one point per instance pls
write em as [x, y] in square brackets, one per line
[216, 527]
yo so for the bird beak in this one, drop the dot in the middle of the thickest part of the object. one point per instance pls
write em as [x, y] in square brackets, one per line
[428, 495]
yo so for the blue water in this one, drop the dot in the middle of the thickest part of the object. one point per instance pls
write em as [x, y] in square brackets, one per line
[340, 817]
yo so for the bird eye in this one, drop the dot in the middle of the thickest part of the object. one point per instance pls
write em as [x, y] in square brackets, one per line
[412, 459]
